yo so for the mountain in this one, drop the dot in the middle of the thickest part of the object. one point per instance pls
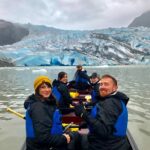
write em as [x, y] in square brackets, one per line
[47, 46]
[6, 63]
[143, 20]
[11, 33]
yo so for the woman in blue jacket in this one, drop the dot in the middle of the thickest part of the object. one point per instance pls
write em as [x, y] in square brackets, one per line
[43, 119]
[61, 92]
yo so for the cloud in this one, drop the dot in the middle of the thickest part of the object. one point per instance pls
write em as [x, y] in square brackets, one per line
[73, 14]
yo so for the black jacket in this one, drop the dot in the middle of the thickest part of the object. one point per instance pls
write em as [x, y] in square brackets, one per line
[41, 113]
[62, 88]
[82, 74]
[102, 138]
[95, 88]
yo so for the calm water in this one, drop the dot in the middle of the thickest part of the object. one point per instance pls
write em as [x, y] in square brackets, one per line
[16, 84]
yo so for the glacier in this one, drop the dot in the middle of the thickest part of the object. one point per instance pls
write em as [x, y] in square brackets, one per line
[45, 46]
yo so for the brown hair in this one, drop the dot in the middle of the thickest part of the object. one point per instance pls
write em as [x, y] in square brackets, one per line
[79, 67]
[61, 75]
[109, 76]
[38, 88]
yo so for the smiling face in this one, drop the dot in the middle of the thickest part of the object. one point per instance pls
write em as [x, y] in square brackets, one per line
[64, 79]
[94, 80]
[107, 86]
[45, 90]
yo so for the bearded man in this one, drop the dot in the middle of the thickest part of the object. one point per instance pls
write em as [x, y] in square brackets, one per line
[108, 119]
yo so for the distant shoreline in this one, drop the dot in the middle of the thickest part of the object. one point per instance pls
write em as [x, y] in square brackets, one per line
[6, 64]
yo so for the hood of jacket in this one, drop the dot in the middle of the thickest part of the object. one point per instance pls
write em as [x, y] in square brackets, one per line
[122, 96]
[30, 100]
[34, 98]
[118, 95]
[55, 83]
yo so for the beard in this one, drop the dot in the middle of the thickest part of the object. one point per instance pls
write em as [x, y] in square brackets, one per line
[103, 93]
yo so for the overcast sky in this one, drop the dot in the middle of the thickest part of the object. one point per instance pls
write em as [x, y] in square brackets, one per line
[73, 14]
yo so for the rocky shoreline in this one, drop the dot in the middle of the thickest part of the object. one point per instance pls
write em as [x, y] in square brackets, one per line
[4, 63]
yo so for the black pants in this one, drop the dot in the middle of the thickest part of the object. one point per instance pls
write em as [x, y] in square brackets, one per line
[78, 142]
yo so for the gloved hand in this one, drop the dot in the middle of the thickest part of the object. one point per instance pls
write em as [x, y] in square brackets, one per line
[73, 134]
[73, 103]
[83, 125]
[79, 110]
[75, 140]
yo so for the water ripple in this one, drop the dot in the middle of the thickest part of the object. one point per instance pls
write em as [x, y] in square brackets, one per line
[145, 131]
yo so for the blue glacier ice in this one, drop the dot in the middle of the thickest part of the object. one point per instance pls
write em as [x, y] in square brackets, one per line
[46, 46]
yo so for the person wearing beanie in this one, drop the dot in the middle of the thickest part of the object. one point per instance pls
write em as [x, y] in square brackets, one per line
[39, 80]
[43, 119]
[95, 79]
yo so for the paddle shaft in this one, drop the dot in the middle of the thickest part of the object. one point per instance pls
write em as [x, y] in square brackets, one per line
[16, 113]
[23, 117]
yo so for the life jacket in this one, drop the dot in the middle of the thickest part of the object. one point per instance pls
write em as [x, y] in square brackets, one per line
[60, 100]
[29, 125]
[93, 95]
[93, 114]
[57, 94]
[81, 83]
[81, 80]
[121, 123]
[56, 124]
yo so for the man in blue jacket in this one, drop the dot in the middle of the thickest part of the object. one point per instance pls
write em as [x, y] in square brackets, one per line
[82, 80]
[95, 78]
[108, 119]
